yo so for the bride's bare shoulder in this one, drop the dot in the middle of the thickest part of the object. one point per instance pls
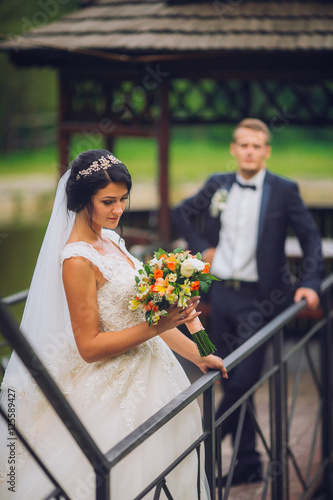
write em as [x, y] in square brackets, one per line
[77, 269]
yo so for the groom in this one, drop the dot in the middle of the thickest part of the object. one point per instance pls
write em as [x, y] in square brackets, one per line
[242, 231]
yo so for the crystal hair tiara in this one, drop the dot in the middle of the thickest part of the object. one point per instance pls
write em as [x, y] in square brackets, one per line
[101, 164]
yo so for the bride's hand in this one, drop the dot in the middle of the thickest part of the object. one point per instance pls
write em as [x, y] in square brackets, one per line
[212, 362]
[178, 316]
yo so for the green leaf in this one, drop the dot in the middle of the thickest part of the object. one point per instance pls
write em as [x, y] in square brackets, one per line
[178, 250]
[159, 253]
[204, 286]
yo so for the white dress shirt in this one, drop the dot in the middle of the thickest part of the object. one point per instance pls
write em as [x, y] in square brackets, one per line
[235, 256]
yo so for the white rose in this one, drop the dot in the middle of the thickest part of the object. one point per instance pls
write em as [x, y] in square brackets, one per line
[198, 265]
[187, 268]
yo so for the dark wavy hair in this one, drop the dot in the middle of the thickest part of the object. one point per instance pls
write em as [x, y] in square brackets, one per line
[81, 190]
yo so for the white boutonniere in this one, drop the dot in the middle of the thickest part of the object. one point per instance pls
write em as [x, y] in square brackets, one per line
[219, 202]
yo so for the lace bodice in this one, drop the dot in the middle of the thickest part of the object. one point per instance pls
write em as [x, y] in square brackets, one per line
[113, 297]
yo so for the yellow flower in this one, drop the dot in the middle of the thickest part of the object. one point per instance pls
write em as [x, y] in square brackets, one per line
[186, 287]
[162, 286]
[156, 318]
[172, 298]
[134, 304]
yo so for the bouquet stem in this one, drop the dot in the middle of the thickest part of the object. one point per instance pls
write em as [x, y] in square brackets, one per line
[200, 337]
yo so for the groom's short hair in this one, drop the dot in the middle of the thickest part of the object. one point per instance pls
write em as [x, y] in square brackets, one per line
[253, 124]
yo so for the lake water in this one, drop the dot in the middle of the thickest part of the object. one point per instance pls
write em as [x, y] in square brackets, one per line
[19, 248]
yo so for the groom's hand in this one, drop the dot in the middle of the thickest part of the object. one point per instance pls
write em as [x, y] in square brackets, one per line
[208, 254]
[311, 297]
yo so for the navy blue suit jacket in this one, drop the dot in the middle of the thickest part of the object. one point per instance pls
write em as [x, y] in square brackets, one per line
[281, 206]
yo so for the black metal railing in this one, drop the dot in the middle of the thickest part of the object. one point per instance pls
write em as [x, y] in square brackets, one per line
[279, 450]
[279, 445]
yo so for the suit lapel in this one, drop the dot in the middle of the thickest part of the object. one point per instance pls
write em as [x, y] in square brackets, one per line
[231, 180]
[214, 223]
[266, 193]
[225, 181]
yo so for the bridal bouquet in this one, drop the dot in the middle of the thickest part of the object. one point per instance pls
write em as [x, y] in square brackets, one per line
[173, 278]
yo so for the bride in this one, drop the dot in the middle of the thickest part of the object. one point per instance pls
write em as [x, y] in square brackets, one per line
[114, 369]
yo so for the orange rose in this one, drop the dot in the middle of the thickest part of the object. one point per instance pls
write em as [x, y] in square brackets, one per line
[195, 285]
[171, 262]
[206, 268]
[158, 273]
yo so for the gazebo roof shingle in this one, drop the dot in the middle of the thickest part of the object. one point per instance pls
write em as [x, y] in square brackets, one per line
[134, 27]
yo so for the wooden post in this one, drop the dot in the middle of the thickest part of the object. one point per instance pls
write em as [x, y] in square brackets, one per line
[109, 143]
[63, 148]
[164, 222]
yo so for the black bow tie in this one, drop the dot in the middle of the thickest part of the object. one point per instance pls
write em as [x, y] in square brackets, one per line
[244, 186]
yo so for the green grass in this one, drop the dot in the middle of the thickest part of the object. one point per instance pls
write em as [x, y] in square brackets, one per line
[297, 156]
[38, 161]
[194, 153]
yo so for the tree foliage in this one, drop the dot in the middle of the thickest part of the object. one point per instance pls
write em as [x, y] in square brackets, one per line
[30, 90]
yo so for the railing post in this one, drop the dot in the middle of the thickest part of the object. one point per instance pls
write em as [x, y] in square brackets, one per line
[209, 427]
[278, 466]
[326, 380]
[102, 483]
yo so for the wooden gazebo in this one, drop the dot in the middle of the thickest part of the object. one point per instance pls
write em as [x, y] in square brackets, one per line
[135, 67]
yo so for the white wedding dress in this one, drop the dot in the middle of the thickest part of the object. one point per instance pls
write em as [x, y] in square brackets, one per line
[112, 398]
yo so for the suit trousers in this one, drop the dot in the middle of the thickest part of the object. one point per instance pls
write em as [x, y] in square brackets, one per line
[236, 315]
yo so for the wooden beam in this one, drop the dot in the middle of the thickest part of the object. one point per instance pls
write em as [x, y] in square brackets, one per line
[164, 222]
[76, 127]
